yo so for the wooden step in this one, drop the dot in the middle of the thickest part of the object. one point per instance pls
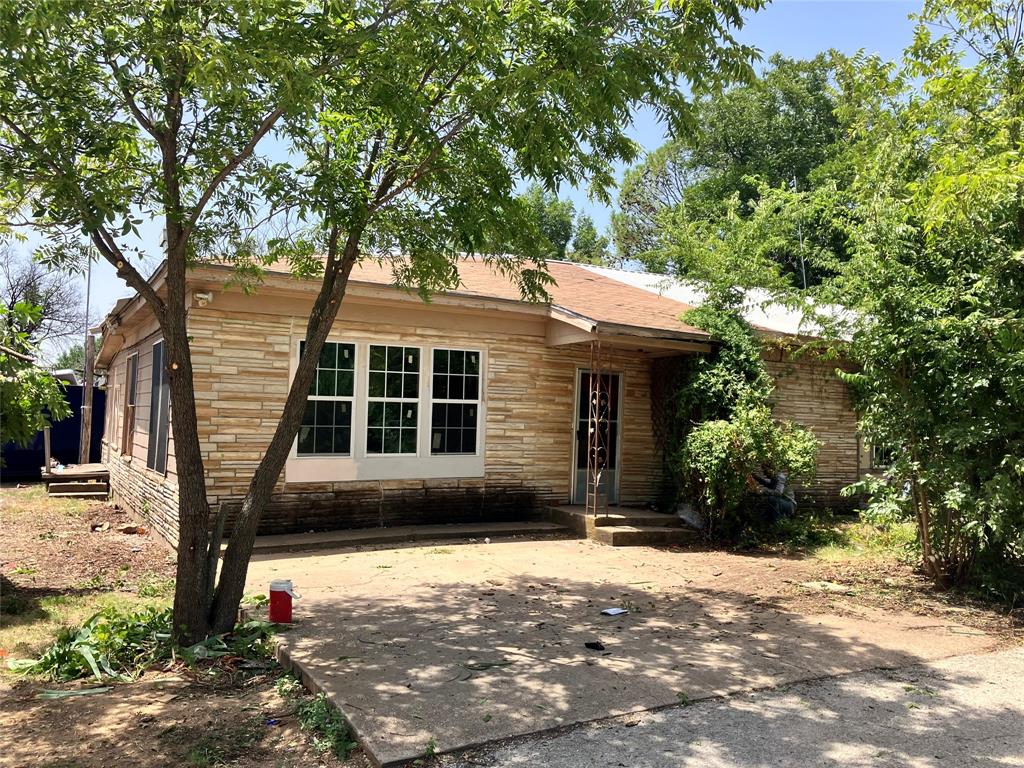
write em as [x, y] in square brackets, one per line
[76, 487]
[642, 535]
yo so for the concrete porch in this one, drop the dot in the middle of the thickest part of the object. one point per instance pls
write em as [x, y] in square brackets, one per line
[623, 526]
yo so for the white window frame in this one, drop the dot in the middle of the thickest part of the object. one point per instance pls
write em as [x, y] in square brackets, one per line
[335, 398]
[319, 468]
[478, 402]
[385, 399]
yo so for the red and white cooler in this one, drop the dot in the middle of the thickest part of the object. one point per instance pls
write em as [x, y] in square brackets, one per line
[281, 595]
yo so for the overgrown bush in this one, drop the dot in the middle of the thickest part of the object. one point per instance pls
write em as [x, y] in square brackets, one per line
[724, 433]
[721, 456]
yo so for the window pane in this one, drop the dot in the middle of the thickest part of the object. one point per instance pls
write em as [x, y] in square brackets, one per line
[309, 417]
[440, 361]
[376, 385]
[347, 356]
[342, 414]
[375, 414]
[324, 442]
[394, 358]
[412, 359]
[377, 358]
[411, 385]
[324, 413]
[469, 441]
[441, 386]
[392, 442]
[374, 440]
[392, 414]
[306, 440]
[457, 362]
[455, 387]
[472, 388]
[409, 414]
[342, 440]
[454, 415]
[346, 380]
[408, 441]
[393, 386]
[329, 355]
[473, 362]
[437, 441]
[325, 383]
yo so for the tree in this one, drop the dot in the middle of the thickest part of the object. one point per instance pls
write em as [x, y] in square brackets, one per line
[779, 131]
[404, 125]
[934, 277]
[29, 395]
[72, 358]
[551, 220]
[60, 315]
[587, 245]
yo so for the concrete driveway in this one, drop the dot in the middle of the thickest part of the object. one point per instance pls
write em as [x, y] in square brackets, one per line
[450, 646]
[967, 712]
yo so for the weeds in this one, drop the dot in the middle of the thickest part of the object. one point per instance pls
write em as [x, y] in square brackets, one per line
[324, 722]
[122, 644]
[152, 587]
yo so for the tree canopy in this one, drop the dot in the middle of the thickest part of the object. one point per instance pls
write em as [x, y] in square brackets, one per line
[780, 130]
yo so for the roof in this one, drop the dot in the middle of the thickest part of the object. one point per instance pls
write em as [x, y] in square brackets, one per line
[577, 291]
[760, 309]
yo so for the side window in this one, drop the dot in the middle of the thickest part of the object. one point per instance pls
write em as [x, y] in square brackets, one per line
[131, 382]
[455, 401]
[327, 422]
[159, 412]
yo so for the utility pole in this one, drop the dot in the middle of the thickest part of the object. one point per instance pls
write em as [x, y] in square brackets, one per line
[85, 436]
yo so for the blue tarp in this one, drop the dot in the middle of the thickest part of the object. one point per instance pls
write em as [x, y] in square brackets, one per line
[22, 464]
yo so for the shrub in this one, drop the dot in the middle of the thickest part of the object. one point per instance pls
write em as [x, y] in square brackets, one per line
[329, 730]
[720, 456]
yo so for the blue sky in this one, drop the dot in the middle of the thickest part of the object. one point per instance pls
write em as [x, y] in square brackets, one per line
[796, 28]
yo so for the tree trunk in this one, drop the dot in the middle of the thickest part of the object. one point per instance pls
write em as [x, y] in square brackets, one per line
[236, 559]
[191, 618]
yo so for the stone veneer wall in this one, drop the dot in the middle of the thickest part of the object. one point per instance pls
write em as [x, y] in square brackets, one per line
[132, 484]
[808, 392]
[241, 363]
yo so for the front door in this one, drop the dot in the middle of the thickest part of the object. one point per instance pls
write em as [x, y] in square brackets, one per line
[608, 427]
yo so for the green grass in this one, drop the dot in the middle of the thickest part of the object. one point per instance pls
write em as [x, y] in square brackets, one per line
[863, 540]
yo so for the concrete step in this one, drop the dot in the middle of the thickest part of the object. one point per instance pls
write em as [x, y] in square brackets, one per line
[301, 542]
[642, 535]
[635, 517]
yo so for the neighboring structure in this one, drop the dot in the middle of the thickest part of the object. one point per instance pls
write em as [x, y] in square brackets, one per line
[475, 406]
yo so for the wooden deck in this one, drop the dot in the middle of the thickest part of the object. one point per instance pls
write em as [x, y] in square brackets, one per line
[79, 481]
[77, 473]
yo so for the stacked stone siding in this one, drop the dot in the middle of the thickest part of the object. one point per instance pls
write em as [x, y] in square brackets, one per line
[242, 356]
[241, 362]
[808, 392]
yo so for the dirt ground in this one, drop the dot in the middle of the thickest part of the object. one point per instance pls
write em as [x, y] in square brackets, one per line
[61, 560]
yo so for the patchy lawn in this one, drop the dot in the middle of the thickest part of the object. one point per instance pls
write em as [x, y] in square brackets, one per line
[63, 560]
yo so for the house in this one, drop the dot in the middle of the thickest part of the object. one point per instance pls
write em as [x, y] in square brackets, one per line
[474, 406]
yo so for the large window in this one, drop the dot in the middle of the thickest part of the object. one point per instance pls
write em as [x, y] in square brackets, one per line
[392, 403]
[130, 390]
[327, 422]
[455, 404]
[159, 412]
